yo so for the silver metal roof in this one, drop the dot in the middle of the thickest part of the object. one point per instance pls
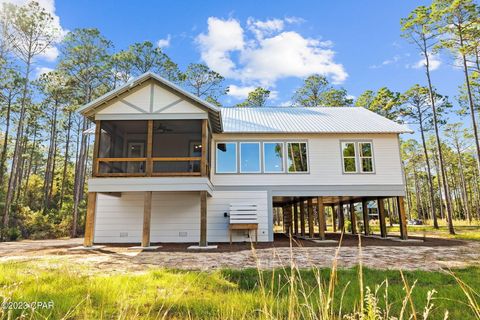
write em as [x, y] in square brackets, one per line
[307, 120]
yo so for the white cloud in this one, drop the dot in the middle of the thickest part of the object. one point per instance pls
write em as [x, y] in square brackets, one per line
[434, 60]
[294, 20]
[164, 43]
[50, 54]
[239, 92]
[272, 53]
[264, 28]
[393, 60]
[287, 103]
[223, 36]
[42, 70]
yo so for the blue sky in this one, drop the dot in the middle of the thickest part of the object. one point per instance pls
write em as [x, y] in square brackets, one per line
[357, 44]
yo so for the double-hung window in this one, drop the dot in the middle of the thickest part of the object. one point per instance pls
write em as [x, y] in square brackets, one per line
[357, 157]
[349, 157]
[366, 156]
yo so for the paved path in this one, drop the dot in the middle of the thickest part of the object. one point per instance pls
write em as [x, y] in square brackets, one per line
[120, 259]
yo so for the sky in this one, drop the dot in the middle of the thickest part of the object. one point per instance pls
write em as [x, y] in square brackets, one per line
[274, 44]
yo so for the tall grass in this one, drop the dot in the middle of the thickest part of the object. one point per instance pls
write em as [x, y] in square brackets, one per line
[287, 293]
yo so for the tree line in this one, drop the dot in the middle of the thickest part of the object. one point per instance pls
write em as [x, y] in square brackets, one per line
[45, 145]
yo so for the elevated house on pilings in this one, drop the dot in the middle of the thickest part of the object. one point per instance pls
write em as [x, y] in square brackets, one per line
[170, 167]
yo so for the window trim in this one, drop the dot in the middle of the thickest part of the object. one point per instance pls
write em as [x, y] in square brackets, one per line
[283, 157]
[286, 157]
[239, 169]
[216, 157]
[358, 165]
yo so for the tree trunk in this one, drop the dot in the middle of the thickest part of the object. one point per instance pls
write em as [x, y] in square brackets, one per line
[3, 156]
[79, 177]
[48, 180]
[429, 171]
[470, 97]
[65, 161]
[439, 144]
[14, 170]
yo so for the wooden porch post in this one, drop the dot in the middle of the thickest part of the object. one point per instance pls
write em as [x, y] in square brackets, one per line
[321, 218]
[295, 217]
[90, 219]
[341, 218]
[203, 162]
[334, 218]
[147, 218]
[381, 217]
[311, 230]
[203, 219]
[353, 218]
[96, 148]
[402, 218]
[302, 217]
[149, 148]
[366, 225]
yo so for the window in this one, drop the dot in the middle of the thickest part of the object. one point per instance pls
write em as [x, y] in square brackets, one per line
[250, 157]
[349, 158]
[273, 157]
[297, 157]
[366, 156]
[226, 157]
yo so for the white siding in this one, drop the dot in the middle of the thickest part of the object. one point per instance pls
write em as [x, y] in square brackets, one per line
[175, 216]
[325, 161]
[163, 101]
[220, 203]
[115, 216]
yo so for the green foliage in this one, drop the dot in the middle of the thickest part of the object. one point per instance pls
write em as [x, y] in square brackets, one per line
[385, 102]
[204, 82]
[256, 98]
[143, 57]
[416, 107]
[316, 91]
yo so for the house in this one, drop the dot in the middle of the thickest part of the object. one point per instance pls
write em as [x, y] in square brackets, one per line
[170, 167]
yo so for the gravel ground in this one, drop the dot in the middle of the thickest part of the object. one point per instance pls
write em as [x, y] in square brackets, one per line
[431, 254]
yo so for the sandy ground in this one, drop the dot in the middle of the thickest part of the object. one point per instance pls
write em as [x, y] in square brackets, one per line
[433, 254]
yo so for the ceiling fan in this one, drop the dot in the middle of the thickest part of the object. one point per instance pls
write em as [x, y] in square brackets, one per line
[162, 129]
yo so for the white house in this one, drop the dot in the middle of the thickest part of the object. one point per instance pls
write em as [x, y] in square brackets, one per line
[170, 167]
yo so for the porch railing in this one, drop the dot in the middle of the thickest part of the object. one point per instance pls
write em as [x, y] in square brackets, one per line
[198, 165]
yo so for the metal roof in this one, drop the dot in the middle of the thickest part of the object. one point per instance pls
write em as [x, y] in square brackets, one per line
[307, 120]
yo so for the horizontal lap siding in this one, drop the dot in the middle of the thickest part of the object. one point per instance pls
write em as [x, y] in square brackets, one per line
[174, 213]
[325, 161]
[115, 215]
[220, 203]
[175, 216]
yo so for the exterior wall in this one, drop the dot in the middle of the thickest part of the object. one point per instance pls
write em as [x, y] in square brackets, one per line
[325, 162]
[149, 101]
[175, 216]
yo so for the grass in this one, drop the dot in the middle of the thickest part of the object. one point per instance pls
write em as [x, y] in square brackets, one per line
[235, 294]
[463, 230]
